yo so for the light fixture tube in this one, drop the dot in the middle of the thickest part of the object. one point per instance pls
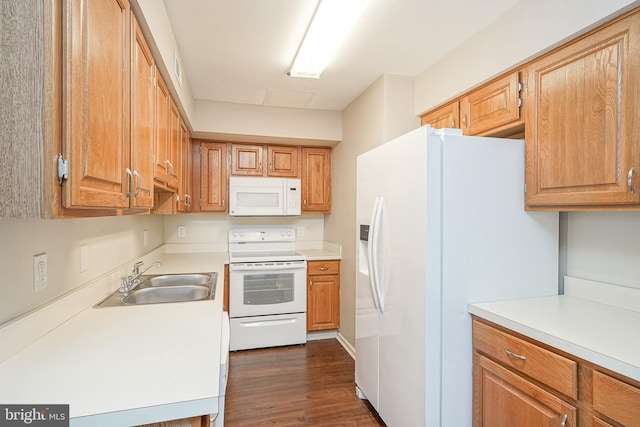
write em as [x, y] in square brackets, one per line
[331, 23]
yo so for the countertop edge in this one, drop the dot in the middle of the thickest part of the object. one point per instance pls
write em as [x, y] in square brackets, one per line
[562, 343]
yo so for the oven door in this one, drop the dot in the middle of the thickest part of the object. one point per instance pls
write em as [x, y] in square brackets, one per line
[257, 289]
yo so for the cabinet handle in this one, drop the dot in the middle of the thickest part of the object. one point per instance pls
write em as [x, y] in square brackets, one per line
[453, 123]
[310, 285]
[324, 268]
[564, 420]
[464, 120]
[511, 354]
[137, 175]
[187, 198]
[130, 181]
[170, 167]
[223, 202]
[630, 180]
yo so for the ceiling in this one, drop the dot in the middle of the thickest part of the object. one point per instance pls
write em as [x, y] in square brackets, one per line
[239, 51]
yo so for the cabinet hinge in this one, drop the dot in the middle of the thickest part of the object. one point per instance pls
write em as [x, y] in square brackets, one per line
[519, 102]
[63, 169]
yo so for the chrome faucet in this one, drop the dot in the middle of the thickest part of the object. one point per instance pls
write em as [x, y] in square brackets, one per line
[130, 282]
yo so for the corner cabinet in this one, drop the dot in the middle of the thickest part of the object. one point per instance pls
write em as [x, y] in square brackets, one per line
[316, 179]
[323, 295]
[583, 147]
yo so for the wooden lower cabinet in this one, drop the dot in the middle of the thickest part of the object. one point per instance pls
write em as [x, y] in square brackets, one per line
[506, 399]
[323, 295]
[519, 381]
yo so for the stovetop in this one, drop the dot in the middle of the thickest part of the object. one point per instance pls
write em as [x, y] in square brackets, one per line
[263, 244]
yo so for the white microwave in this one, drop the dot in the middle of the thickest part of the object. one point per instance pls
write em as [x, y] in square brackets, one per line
[251, 196]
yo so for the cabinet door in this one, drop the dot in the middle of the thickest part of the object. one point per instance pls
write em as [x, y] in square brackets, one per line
[283, 161]
[96, 103]
[162, 133]
[142, 119]
[616, 399]
[173, 158]
[323, 303]
[246, 160]
[213, 177]
[582, 145]
[504, 399]
[447, 116]
[316, 179]
[491, 106]
[184, 184]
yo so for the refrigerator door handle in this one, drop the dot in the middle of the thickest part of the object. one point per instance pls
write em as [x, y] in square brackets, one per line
[377, 242]
[370, 257]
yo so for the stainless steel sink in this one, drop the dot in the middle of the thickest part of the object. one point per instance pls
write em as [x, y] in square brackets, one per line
[165, 288]
[178, 293]
[177, 279]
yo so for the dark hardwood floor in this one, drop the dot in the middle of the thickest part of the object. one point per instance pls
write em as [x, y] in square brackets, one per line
[306, 385]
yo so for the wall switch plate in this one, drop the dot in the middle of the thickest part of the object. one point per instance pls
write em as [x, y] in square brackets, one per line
[84, 258]
[299, 231]
[40, 273]
[182, 231]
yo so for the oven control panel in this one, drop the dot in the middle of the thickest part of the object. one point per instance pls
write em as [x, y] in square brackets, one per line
[262, 234]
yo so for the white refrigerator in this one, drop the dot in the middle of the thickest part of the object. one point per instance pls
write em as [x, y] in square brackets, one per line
[440, 224]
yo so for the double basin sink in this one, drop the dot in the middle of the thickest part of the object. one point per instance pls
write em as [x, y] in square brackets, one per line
[165, 288]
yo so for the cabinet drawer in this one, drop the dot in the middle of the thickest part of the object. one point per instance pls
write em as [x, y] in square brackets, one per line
[543, 365]
[315, 268]
[616, 399]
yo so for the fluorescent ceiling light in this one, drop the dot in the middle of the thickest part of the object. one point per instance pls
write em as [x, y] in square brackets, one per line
[330, 24]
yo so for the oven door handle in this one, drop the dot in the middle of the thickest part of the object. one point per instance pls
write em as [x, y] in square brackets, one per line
[268, 266]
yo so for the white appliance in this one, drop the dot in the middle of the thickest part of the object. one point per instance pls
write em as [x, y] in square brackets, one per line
[267, 288]
[251, 196]
[441, 224]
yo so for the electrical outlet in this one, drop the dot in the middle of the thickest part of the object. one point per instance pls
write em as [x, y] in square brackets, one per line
[182, 231]
[40, 273]
[299, 231]
[145, 237]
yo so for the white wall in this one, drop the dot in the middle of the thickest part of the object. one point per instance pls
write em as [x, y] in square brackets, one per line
[257, 120]
[381, 113]
[604, 246]
[211, 229]
[111, 242]
[529, 27]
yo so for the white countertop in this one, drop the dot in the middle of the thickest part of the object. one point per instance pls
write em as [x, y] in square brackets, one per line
[325, 251]
[120, 366]
[603, 334]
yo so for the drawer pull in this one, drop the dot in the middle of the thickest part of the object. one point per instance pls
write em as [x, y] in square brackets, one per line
[512, 354]
[324, 268]
[564, 421]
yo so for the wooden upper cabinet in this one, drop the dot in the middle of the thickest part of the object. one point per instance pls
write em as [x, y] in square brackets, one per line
[246, 160]
[582, 142]
[316, 179]
[447, 116]
[212, 158]
[250, 160]
[173, 151]
[492, 106]
[142, 119]
[162, 133]
[283, 161]
[96, 72]
[185, 198]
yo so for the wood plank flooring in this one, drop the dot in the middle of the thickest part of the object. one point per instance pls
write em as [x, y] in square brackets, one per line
[307, 385]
